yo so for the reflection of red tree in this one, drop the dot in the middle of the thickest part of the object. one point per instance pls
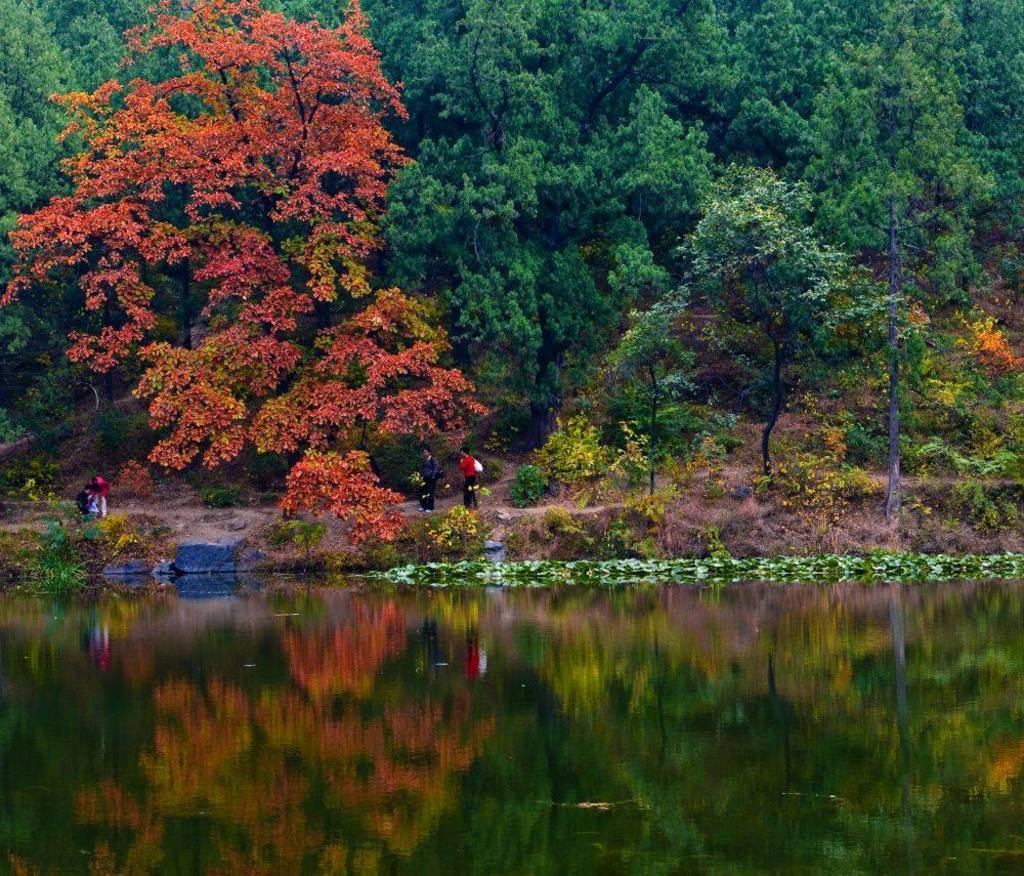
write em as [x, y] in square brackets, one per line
[248, 762]
[396, 769]
[346, 659]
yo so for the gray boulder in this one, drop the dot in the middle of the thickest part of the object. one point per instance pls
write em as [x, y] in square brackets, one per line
[494, 551]
[204, 558]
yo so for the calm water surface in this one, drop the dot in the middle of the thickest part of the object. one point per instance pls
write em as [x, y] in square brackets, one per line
[743, 730]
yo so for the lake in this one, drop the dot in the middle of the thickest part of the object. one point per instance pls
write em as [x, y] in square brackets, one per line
[741, 729]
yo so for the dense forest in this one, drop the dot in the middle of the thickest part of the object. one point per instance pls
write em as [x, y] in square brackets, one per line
[649, 221]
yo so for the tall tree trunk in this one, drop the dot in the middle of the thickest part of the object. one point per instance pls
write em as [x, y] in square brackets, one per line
[542, 424]
[892, 496]
[652, 433]
[773, 415]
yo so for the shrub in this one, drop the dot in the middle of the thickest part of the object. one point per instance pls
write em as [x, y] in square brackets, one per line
[459, 533]
[28, 477]
[303, 534]
[134, 481]
[988, 508]
[865, 447]
[651, 509]
[397, 460]
[118, 536]
[9, 430]
[267, 470]
[528, 487]
[574, 454]
[620, 542]
[493, 471]
[123, 434]
[220, 495]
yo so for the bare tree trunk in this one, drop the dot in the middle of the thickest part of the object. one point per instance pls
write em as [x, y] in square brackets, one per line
[773, 416]
[892, 496]
[652, 439]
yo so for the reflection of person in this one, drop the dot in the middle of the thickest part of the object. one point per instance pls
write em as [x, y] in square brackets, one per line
[99, 489]
[470, 468]
[430, 471]
[98, 645]
[476, 658]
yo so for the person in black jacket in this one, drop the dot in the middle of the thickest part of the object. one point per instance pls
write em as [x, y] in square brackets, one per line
[430, 471]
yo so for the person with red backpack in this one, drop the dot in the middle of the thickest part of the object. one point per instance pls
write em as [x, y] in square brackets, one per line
[470, 468]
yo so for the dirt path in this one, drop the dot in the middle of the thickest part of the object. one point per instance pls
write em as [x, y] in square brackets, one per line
[176, 511]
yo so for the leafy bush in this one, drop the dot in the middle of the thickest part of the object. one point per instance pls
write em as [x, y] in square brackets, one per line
[458, 533]
[123, 434]
[220, 495]
[988, 508]
[303, 534]
[9, 430]
[398, 458]
[493, 471]
[528, 487]
[621, 542]
[133, 481]
[28, 477]
[118, 536]
[566, 536]
[820, 489]
[864, 447]
[267, 470]
[574, 454]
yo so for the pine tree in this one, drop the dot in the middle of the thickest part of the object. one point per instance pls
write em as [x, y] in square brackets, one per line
[898, 183]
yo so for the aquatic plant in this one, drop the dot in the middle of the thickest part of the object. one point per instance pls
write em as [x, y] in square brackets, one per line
[876, 567]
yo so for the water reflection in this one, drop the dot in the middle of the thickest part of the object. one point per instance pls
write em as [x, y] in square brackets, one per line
[760, 729]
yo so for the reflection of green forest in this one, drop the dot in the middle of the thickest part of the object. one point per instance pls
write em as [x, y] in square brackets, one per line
[737, 730]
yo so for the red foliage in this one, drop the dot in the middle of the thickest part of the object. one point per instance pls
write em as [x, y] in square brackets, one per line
[343, 484]
[253, 179]
[992, 350]
[134, 481]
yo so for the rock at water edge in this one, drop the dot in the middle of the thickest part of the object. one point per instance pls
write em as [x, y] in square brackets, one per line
[494, 551]
[203, 558]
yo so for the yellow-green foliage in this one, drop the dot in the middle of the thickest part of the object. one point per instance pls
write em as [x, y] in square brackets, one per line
[460, 531]
[652, 509]
[119, 536]
[305, 535]
[28, 477]
[574, 453]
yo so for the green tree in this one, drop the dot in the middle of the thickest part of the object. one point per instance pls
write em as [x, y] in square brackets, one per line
[761, 265]
[897, 179]
[992, 94]
[655, 365]
[551, 176]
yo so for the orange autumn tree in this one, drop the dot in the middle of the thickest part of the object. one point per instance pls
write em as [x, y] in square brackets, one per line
[251, 181]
